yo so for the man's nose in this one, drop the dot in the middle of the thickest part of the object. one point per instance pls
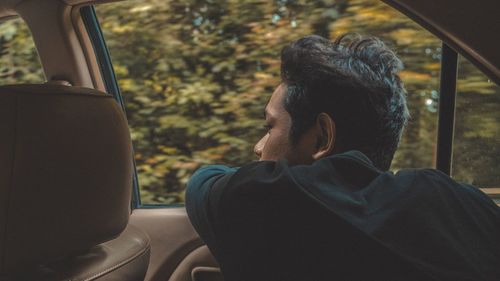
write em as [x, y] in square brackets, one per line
[259, 146]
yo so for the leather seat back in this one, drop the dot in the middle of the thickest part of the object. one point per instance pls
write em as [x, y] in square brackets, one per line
[65, 173]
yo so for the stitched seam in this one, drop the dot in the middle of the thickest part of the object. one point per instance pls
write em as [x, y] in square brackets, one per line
[116, 266]
[14, 145]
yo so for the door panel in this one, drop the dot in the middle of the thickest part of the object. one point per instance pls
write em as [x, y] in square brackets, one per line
[199, 265]
[177, 252]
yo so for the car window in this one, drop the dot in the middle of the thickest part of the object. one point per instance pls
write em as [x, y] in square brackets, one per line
[476, 142]
[196, 75]
[19, 62]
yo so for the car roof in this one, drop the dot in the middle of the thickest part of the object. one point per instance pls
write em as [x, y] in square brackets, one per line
[472, 28]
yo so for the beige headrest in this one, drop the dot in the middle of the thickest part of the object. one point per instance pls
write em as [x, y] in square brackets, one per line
[65, 172]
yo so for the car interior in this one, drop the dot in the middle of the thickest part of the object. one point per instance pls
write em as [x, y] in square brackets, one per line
[70, 206]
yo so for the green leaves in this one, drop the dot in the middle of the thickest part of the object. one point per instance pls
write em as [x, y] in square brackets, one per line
[19, 61]
[196, 76]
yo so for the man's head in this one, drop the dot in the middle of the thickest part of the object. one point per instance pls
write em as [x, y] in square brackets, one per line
[334, 97]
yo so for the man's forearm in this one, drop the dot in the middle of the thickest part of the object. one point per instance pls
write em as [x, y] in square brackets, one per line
[198, 198]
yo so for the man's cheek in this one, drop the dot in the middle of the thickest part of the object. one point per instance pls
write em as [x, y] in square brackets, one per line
[276, 150]
[269, 153]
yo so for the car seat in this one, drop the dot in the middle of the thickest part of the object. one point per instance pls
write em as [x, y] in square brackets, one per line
[65, 187]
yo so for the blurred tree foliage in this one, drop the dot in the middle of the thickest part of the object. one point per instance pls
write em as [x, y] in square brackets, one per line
[476, 147]
[19, 61]
[196, 75]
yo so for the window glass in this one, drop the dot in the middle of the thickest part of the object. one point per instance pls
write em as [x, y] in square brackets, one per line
[196, 76]
[476, 143]
[19, 62]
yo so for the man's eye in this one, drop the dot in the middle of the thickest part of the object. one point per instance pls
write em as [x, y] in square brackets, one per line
[267, 127]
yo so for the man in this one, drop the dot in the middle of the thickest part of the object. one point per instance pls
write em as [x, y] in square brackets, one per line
[320, 205]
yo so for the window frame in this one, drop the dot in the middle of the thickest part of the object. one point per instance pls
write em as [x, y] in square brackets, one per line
[103, 58]
[446, 113]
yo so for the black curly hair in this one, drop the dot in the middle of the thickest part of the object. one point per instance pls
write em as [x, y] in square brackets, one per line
[355, 80]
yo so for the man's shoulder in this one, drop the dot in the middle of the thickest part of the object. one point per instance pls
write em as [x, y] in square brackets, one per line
[435, 187]
[440, 180]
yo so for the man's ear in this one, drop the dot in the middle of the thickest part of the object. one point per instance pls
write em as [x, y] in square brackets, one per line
[326, 136]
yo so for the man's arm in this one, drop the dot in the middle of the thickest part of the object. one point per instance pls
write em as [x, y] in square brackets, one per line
[221, 195]
[226, 204]
[198, 197]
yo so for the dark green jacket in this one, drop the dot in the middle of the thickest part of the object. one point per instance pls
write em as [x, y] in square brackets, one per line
[342, 219]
